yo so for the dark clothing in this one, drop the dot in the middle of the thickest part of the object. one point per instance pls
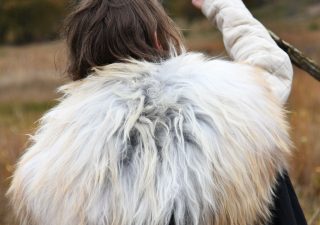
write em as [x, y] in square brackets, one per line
[287, 210]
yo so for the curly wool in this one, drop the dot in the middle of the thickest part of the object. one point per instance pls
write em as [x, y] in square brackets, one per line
[191, 138]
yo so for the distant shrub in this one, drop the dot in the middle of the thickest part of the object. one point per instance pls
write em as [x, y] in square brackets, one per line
[181, 9]
[313, 26]
[23, 21]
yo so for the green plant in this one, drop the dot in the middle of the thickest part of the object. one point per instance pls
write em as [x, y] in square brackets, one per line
[23, 21]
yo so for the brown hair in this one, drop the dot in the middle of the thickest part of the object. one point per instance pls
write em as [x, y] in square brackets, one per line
[101, 32]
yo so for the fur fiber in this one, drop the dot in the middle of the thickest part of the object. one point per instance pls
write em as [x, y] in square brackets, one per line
[198, 139]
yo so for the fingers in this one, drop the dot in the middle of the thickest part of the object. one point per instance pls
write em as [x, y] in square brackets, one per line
[197, 3]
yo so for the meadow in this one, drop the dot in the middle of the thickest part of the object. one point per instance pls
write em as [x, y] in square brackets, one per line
[30, 74]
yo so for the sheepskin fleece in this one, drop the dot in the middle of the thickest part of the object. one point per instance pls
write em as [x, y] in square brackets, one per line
[196, 139]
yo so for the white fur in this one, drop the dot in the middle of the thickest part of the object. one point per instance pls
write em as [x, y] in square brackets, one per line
[133, 144]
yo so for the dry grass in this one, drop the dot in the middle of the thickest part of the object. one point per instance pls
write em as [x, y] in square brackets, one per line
[30, 74]
[27, 71]
[28, 78]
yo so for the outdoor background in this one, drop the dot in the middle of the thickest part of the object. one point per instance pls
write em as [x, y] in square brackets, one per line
[32, 66]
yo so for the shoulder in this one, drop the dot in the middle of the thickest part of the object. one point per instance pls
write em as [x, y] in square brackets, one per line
[187, 65]
[191, 75]
[218, 76]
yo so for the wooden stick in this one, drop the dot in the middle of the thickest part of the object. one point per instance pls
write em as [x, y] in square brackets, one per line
[298, 58]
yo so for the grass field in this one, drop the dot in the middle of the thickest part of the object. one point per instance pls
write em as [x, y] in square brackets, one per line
[30, 74]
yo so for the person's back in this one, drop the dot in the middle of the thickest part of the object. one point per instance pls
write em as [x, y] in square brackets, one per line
[148, 134]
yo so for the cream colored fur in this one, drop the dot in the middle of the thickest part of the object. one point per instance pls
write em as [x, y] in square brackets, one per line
[133, 144]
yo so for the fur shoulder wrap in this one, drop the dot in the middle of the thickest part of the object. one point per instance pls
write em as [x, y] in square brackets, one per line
[197, 140]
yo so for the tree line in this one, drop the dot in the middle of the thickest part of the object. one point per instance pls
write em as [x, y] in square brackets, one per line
[24, 21]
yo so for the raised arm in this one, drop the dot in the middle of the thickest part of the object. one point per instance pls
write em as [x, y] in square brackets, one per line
[248, 41]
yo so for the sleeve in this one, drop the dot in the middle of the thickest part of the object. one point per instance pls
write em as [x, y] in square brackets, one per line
[248, 41]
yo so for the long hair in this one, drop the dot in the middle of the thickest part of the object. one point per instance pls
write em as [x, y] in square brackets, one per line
[101, 32]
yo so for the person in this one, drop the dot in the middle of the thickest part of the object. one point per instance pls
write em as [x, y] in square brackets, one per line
[150, 134]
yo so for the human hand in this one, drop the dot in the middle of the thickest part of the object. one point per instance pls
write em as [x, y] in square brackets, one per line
[198, 3]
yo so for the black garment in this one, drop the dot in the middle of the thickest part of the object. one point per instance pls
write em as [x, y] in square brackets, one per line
[287, 210]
